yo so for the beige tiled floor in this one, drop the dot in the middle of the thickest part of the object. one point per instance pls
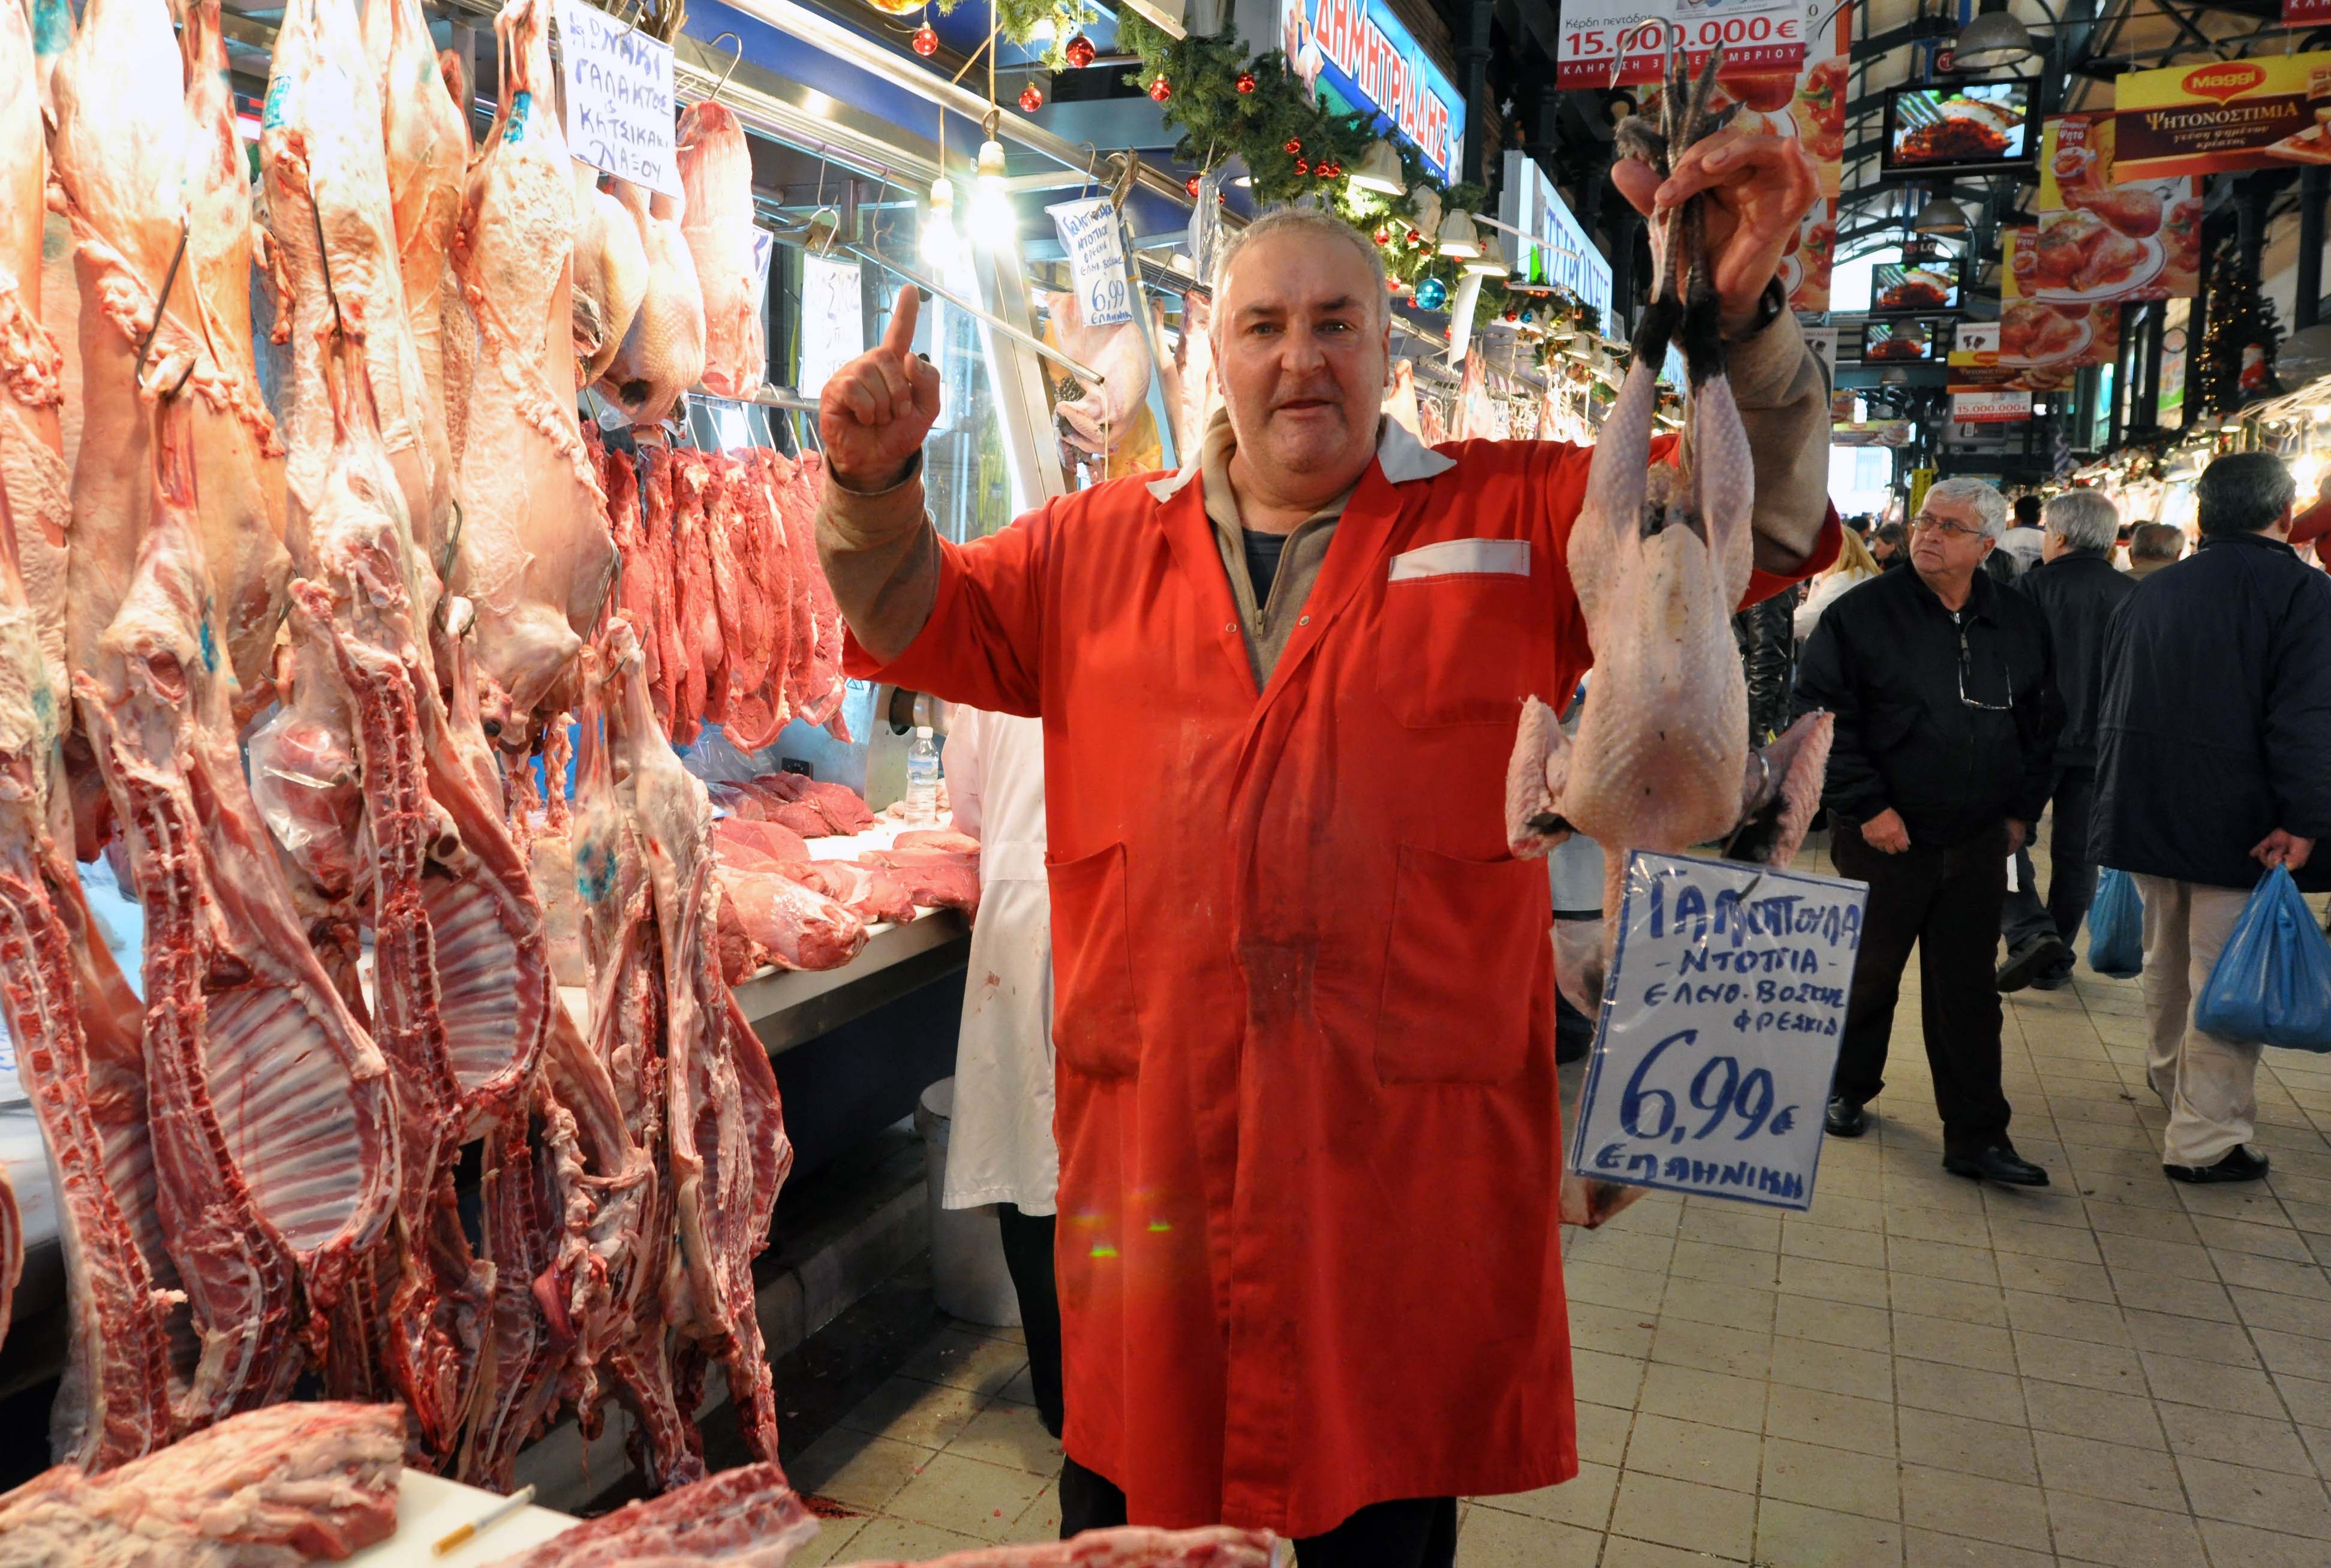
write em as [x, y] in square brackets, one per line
[1921, 1372]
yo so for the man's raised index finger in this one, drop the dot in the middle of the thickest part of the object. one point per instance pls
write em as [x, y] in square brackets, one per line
[905, 306]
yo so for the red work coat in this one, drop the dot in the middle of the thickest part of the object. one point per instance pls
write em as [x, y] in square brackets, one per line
[1308, 1252]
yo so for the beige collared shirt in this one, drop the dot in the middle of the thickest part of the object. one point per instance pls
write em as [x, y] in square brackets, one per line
[1268, 625]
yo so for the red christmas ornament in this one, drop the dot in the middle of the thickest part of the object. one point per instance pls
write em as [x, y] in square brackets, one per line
[1246, 81]
[1031, 101]
[1294, 146]
[1159, 91]
[1384, 236]
[1513, 315]
[927, 41]
[1191, 186]
[1080, 52]
[1302, 166]
[1330, 169]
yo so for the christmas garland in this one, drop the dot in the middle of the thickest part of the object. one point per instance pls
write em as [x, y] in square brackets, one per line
[1229, 104]
[1018, 20]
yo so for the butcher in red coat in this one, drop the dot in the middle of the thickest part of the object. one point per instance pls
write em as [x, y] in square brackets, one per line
[1310, 1263]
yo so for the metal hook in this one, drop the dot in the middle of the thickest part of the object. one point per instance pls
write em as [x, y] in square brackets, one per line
[714, 96]
[161, 303]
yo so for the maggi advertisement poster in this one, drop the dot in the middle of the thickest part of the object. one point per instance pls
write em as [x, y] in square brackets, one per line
[2100, 235]
[2035, 345]
[2225, 115]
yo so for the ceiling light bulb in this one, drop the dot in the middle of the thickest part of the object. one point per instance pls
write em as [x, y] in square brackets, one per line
[1459, 238]
[1379, 169]
[993, 224]
[941, 243]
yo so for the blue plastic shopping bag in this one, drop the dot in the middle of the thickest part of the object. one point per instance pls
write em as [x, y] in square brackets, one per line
[2116, 927]
[2272, 984]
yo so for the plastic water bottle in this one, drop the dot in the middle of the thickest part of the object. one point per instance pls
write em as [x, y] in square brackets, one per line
[923, 778]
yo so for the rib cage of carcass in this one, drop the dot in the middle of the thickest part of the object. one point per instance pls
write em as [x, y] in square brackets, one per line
[275, 709]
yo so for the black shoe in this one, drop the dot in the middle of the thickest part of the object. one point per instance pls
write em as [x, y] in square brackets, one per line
[2034, 958]
[1845, 1119]
[2000, 1163]
[2239, 1165]
[2053, 980]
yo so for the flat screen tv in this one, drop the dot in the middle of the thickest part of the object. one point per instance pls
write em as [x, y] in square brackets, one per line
[1900, 290]
[1905, 342]
[1971, 127]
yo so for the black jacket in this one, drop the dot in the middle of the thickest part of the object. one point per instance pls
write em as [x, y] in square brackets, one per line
[1886, 659]
[2215, 727]
[1766, 635]
[2077, 594]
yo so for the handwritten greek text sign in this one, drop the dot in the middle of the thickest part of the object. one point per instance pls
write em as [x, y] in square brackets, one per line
[1095, 242]
[619, 97]
[1719, 1030]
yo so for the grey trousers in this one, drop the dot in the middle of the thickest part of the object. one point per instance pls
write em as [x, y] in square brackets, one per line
[2209, 1084]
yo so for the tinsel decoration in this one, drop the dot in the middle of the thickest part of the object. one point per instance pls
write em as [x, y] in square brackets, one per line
[2239, 337]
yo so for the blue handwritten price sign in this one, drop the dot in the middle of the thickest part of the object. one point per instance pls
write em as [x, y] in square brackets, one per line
[1095, 241]
[619, 97]
[1719, 1030]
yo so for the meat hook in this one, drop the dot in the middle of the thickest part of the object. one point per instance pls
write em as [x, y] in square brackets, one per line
[161, 301]
[714, 96]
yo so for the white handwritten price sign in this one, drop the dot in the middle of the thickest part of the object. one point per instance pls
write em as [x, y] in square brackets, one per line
[1719, 1030]
[619, 97]
[1095, 242]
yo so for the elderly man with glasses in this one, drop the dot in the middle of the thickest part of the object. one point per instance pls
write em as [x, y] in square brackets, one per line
[1944, 687]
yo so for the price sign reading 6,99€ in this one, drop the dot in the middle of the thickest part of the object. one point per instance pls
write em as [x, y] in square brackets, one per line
[1719, 1030]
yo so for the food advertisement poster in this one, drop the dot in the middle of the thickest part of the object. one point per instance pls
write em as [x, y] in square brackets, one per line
[1719, 1030]
[2034, 345]
[1803, 97]
[2262, 112]
[2100, 236]
[1895, 342]
[1971, 125]
[1810, 257]
[1894, 289]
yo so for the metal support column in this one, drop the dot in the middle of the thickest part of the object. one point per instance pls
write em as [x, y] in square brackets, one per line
[1473, 66]
[2147, 413]
[2314, 196]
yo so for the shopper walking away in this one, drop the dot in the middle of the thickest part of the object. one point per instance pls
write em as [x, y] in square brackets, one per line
[2152, 546]
[1943, 687]
[2215, 762]
[2077, 590]
[1001, 1150]
[1310, 1257]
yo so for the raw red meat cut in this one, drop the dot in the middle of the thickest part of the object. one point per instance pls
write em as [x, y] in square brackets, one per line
[747, 1517]
[269, 1111]
[696, 614]
[742, 838]
[783, 923]
[271, 1489]
[935, 879]
[716, 173]
[871, 895]
[12, 1250]
[727, 1151]
[945, 839]
[839, 804]
[1134, 1547]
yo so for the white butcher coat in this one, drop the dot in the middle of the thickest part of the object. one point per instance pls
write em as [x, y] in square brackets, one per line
[1001, 1149]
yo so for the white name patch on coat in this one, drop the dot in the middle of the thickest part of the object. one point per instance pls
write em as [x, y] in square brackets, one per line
[1464, 557]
